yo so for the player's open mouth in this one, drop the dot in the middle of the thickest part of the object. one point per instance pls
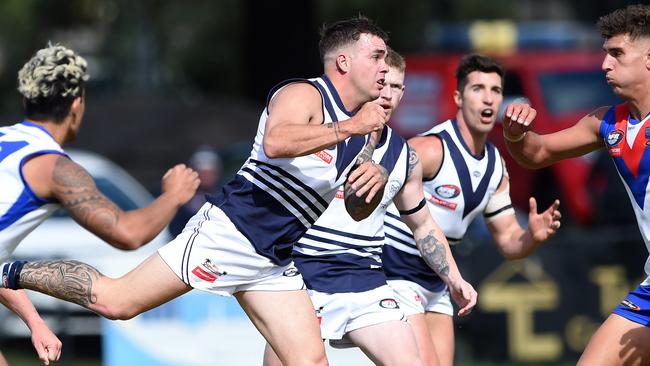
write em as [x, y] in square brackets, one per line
[487, 113]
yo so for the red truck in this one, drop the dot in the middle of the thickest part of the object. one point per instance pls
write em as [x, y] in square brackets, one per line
[563, 86]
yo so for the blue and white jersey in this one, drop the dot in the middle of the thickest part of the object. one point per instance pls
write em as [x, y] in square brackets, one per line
[21, 211]
[272, 202]
[458, 192]
[338, 254]
[628, 143]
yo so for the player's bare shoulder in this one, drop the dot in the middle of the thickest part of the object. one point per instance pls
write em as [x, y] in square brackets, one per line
[429, 151]
[297, 98]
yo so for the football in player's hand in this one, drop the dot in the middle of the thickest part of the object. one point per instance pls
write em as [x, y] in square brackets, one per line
[357, 206]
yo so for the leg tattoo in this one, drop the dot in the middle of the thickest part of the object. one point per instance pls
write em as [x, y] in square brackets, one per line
[67, 280]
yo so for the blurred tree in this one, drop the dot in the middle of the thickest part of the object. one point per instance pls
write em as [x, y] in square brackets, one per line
[280, 42]
[405, 21]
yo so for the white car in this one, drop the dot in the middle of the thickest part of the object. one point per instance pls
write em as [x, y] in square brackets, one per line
[60, 237]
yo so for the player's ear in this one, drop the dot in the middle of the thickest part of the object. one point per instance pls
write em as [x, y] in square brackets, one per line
[458, 98]
[343, 62]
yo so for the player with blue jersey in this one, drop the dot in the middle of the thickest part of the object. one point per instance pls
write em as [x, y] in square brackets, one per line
[311, 135]
[464, 176]
[339, 257]
[37, 178]
[623, 130]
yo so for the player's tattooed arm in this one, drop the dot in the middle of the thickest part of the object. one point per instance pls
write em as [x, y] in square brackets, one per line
[366, 154]
[414, 160]
[67, 280]
[75, 189]
[433, 252]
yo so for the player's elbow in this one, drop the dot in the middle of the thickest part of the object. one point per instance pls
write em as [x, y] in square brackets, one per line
[128, 241]
[117, 312]
[273, 148]
[509, 253]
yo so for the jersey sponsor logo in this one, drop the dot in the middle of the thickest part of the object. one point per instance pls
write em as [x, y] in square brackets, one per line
[208, 271]
[291, 272]
[339, 193]
[324, 156]
[450, 205]
[614, 138]
[319, 316]
[388, 304]
[447, 191]
[203, 274]
[630, 305]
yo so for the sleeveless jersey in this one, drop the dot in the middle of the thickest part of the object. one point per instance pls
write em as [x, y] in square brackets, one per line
[338, 254]
[21, 211]
[628, 143]
[458, 192]
[272, 202]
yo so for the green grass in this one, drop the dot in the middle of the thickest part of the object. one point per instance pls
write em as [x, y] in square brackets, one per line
[22, 358]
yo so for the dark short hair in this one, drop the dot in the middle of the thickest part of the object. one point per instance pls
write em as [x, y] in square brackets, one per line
[476, 62]
[346, 32]
[633, 20]
[395, 60]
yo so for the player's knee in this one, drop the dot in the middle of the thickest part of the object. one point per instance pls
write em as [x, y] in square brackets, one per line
[315, 359]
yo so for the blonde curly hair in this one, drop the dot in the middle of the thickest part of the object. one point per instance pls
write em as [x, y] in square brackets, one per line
[54, 72]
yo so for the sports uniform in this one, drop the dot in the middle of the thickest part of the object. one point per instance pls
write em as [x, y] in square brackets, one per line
[627, 141]
[21, 211]
[242, 238]
[339, 258]
[458, 192]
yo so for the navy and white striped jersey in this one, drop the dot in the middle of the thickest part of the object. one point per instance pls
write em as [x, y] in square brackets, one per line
[274, 201]
[458, 192]
[338, 254]
[21, 211]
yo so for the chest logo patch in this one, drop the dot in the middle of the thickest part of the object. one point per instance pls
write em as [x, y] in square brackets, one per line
[614, 138]
[324, 156]
[447, 191]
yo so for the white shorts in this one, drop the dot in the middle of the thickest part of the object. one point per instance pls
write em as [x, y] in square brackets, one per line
[415, 299]
[341, 313]
[212, 255]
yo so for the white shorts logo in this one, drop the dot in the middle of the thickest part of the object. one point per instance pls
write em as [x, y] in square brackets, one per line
[291, 272]
[388, 304]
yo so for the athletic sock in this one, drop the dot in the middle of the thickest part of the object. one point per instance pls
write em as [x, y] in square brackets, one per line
[10, 273]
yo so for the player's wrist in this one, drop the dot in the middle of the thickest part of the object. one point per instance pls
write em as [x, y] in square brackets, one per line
[511, 138]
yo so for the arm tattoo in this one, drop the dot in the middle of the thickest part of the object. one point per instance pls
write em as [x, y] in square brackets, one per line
[414, 160]
[433, 252]
[365, 154]
[78, 194]
[67, 280]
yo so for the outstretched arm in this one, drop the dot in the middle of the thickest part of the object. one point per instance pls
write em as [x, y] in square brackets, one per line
[429, 238]
[57, 177]
[535, 151]
[47, 345]
[513, 241]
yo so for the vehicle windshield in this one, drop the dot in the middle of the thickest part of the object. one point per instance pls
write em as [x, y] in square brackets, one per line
[110, 190]
[575, 91]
